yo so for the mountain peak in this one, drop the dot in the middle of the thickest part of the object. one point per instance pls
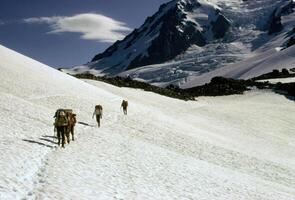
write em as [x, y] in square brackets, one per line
[187, 42]
[176, 26]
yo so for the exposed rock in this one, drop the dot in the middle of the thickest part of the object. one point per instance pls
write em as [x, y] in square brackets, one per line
[220, 27]
[275, 23]
[218, 86]
[170, 42]
[291, 41]
[275, 19]
[287, 88]
[276, 74]
[107, 53]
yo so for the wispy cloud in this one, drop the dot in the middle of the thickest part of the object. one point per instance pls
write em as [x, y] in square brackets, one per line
[91, 26]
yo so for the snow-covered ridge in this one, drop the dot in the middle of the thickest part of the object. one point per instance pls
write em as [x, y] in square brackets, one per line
[30, 92]
[224, 148]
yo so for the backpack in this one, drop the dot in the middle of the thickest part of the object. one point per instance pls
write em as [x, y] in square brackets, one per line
[98, 109]
[124, 104]
[60, 118]
[73, 119]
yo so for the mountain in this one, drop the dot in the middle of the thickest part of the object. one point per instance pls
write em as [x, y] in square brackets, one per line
[175, 27]
[188, 40]
[234, 147]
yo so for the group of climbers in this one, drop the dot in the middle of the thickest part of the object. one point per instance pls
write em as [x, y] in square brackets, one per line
[65, 121]
[64, 124]
[99, 110]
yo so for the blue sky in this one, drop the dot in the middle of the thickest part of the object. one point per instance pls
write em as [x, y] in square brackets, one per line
[64, 33]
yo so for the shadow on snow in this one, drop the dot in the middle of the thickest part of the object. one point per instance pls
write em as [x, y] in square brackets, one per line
[39, 143]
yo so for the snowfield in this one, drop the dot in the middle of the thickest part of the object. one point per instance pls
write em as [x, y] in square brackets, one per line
[234, 147]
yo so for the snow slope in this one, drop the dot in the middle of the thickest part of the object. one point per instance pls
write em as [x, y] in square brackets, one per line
[235, 147]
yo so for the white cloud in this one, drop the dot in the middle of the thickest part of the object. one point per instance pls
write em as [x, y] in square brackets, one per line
[91, 26]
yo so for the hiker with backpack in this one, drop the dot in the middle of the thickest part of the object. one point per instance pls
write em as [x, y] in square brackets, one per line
[71, 126]
[124, 105]
[98, 113]
[61, 125]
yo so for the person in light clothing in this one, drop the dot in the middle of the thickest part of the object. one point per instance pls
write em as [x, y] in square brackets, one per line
[98, 113]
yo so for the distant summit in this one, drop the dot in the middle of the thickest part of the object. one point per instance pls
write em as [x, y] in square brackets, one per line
[188, 42]
[177, 25]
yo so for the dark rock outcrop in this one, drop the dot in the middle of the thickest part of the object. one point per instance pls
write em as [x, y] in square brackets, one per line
[275, 24]
[218, 86]
[220, 27]
[276, 74]
[170, 42]
[107, 53]
[288, 88]
[291, 41]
